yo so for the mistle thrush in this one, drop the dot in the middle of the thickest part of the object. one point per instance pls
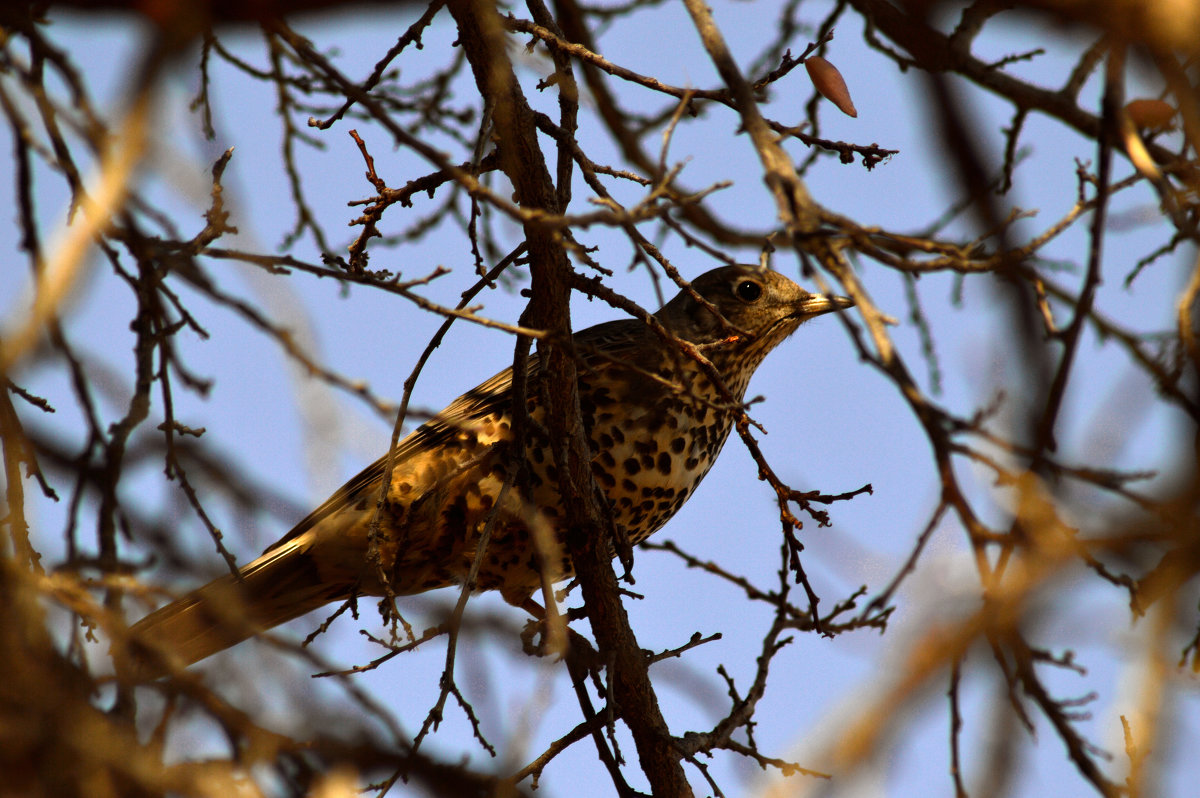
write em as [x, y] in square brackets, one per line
[655, 421]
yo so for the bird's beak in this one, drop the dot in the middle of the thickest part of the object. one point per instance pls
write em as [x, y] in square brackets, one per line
[816, 304]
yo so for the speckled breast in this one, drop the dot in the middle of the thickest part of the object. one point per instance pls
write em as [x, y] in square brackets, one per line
[651, 446]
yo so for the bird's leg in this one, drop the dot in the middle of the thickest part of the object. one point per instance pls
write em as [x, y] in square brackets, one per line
[533, 608]
[581, 659]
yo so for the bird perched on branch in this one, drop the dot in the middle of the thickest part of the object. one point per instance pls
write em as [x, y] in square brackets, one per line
[653, 414]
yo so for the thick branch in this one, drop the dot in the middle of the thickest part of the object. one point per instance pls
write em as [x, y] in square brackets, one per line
[481, 34]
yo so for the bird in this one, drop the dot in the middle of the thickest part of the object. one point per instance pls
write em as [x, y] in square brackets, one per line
[655, 421]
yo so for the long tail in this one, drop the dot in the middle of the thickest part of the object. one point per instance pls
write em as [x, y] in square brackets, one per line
[283, 584]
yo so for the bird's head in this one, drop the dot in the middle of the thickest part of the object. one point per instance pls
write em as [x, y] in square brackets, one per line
[762, 306]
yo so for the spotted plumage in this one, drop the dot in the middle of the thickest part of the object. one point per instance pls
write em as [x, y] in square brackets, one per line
[653, 417]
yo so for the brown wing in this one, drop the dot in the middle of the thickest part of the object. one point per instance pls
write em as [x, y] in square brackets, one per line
[613, 339]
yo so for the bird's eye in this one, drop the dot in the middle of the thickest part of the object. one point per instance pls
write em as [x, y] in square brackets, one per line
[748, 290]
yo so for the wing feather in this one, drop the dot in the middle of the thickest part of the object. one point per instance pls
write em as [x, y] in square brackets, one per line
[614, 339]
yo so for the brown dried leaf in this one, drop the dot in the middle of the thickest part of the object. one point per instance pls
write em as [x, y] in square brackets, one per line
[830, 84]
[1151, 114]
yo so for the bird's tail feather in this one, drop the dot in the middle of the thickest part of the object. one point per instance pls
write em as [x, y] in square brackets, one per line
[281, 585]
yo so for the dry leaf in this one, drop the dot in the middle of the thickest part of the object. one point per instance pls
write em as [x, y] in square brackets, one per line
[1151, 115]
[830, 84]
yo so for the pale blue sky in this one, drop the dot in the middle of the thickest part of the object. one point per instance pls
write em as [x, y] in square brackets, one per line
[834, 423]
